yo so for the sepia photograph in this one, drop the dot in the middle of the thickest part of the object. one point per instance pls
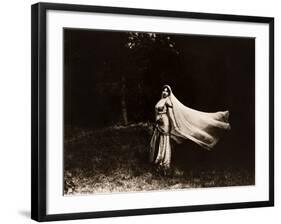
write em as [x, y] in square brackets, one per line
[148, 111]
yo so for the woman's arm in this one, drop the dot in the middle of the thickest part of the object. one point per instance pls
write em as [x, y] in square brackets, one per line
[171, 114]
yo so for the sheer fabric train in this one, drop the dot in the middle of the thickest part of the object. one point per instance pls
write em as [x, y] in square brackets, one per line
[200, 127]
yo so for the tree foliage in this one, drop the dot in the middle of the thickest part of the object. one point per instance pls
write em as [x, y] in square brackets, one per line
[146, 55]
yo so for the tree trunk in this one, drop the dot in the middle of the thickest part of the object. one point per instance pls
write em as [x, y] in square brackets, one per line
[123, 100]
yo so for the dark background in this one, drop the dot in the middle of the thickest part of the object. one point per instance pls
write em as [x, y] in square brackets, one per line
[115, 78]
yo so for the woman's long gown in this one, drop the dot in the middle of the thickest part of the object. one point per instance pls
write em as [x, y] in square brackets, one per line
[160, 142]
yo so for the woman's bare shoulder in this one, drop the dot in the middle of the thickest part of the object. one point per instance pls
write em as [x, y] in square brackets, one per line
[169, 102]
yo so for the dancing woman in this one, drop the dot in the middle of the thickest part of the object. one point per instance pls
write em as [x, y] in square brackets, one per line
[176, 121]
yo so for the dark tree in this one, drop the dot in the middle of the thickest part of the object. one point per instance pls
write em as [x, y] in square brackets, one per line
[147, 54]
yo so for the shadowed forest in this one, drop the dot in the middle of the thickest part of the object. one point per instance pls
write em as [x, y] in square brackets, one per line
[112, 81]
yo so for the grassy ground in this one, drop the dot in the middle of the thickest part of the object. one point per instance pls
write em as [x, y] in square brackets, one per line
[116, 160]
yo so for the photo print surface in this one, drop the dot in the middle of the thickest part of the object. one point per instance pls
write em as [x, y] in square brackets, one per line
[157, 111]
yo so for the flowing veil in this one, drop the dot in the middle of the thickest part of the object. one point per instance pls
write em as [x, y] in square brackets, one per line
[200, 127]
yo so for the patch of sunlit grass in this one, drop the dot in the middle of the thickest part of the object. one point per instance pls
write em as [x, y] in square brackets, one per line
[116, 160]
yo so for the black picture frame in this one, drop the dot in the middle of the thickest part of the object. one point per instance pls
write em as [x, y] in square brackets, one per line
[38, 108]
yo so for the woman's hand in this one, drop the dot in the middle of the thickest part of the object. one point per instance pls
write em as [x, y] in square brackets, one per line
[159, 121]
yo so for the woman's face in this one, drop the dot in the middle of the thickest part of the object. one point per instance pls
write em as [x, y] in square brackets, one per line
[165, 92]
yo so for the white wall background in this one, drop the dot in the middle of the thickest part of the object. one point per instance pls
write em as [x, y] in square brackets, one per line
[15, 110]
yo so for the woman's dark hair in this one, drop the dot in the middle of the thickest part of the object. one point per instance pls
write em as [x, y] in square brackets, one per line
[168, 89]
